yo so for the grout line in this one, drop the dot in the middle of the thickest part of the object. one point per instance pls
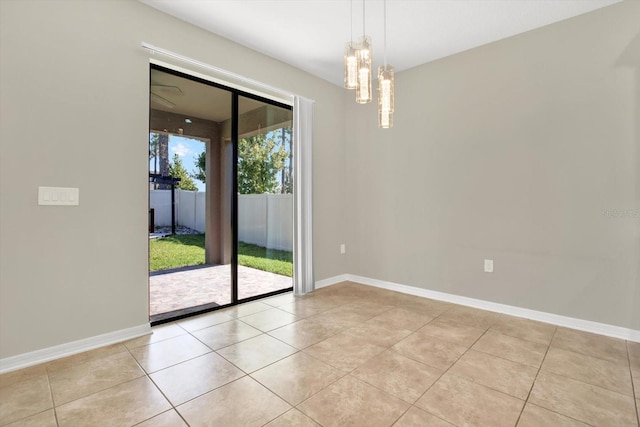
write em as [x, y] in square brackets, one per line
[536, 377]
[636, 393]
[444, 372]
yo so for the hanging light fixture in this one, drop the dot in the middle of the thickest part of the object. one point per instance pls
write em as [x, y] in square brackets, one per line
[351, 60]
[385, 85]
[364, 57]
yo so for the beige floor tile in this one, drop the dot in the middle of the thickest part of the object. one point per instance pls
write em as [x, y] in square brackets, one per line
[587, 403]
[158, 333]
[431, 351]
[494, 372]
[166, 419]
[634, 358]
[401, 318]
[344, 315]
[269, 319]
[377, 334]
[368, 309]
[350, 402]
[241, 403]
[634, 353]
[343, 351]
[524, 329]
[163, 354]
[43, 419]
[336, 319]
[456, 333]
[293, 418]
[256, 352]
[86, 356]
[426, 306]
[469, 316]
[465, 403]
[13, 377]
[24, 398]
[87, 378]
[279, 300]
[226, 334]
[599, 346]
[194, 377]
[124, 404]
[308, 307]
[205, 320]
[514, 349]
[297, 377]
[591, 370]
[305, 332]
[416, 417]
[398, 375]
[535, 416]
[246, 309]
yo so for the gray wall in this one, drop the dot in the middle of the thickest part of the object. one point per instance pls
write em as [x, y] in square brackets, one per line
[74, 112]
[524, 151]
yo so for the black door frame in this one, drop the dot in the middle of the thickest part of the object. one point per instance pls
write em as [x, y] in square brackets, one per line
[235, 96]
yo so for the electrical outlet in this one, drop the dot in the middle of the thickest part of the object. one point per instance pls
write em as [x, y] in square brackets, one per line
[488, 266]
[343, 248]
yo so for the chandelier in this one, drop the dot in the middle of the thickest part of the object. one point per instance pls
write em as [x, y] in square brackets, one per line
[358, 63]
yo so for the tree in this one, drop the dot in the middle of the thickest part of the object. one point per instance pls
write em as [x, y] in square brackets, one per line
[176, 170]
[286, 180]
[154, 141]
[259, 161]
[200, 164]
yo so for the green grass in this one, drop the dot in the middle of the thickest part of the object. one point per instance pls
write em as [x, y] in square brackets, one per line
[188, 249]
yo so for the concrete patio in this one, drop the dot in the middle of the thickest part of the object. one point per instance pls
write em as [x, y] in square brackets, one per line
[190, 287]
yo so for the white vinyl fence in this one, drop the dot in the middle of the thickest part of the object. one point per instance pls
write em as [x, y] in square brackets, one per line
[263, 219]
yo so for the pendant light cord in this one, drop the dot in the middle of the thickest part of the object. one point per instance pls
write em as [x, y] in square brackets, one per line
[384, 4]
[363, 31]
[351, 6]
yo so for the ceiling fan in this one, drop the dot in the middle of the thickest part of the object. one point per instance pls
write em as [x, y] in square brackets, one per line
[157, 88]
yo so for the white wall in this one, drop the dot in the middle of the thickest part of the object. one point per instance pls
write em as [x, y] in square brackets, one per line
[515, 151]
[74, 112]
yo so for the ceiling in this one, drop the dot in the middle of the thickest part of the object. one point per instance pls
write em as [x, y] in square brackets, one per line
[192, 99]
[311, 34]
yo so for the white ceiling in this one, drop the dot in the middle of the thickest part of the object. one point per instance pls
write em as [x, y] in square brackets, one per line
[311, 34]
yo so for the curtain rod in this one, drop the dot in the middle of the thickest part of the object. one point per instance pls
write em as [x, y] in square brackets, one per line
[224, 73]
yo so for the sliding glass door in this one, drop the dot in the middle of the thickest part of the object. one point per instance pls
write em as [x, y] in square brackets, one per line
[221, 202]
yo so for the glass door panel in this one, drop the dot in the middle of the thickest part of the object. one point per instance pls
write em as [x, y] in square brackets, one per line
[265, 198]
[190, 195]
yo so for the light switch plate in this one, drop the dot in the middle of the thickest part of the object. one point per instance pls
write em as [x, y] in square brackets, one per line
[488, 266]
[58, 196]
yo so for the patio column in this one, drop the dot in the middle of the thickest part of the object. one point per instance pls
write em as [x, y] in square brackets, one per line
[219, 169]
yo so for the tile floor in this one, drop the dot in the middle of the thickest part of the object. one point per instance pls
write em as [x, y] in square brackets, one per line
[347, 355]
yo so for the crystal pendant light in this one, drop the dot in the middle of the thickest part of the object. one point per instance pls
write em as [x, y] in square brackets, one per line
[385, 96]
[363, 90]
[364, 55]
[385, 85]
[351, 60]
[350, 66]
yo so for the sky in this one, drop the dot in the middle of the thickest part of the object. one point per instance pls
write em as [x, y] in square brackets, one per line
[188, 149]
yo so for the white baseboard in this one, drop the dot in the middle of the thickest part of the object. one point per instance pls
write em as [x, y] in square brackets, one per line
[332, 280]
[555, 319]
[20, 361]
